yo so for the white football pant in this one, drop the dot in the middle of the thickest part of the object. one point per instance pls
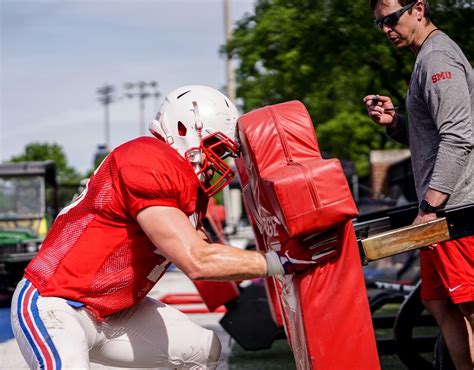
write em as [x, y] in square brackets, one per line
[53, 335]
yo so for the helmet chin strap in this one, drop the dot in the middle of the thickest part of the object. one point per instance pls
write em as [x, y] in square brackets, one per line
[195, 159]
[196, 167]
[202, 177]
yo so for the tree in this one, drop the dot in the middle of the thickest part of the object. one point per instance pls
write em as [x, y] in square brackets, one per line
[351, 136]
[54, 152]
[329, 55]
[455, 18]
[68, 177]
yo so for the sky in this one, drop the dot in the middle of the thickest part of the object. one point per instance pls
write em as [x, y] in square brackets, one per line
[54, 55]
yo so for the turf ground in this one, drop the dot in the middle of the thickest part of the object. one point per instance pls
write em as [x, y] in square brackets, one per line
[280, 357]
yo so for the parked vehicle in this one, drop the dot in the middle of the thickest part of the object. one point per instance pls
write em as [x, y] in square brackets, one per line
[25, 215]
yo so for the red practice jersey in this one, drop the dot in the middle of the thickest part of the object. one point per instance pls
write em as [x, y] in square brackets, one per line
[96, 253]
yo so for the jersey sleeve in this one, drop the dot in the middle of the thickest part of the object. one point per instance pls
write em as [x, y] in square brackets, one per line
[444, 84]
[146, 186]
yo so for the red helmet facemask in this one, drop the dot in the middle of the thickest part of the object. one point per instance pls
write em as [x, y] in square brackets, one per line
[215, 149]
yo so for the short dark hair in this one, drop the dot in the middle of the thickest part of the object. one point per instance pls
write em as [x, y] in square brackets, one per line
[426, 14]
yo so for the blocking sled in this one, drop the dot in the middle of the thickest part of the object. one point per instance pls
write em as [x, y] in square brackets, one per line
[292, 195]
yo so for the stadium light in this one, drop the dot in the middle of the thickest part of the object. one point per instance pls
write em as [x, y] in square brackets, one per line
[141, 93]
[106, 98]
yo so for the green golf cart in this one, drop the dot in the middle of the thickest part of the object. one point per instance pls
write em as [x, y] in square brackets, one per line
[25, 215]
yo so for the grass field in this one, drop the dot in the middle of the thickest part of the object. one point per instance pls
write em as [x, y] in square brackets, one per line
[280, 357]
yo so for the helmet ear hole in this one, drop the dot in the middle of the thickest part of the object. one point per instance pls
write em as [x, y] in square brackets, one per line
[182, 129]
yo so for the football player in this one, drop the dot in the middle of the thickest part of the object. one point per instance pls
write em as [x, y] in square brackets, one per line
[84, 296]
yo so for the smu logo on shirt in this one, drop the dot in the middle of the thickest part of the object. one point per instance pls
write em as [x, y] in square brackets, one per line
[441, 76]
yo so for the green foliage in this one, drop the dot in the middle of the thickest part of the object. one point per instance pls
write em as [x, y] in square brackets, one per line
[54, 152]
[329, 55]
[351, 136]
[68, 177]
[455, 18]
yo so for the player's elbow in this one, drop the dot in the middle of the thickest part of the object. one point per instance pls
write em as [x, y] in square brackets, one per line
[201, 270]
[197, 275]
[197, 272]
[195, 267]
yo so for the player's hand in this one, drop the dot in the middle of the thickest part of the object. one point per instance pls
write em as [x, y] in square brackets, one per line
[297, 256]
[380, 109]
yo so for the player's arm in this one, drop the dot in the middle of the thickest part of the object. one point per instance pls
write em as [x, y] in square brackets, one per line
[175, 238]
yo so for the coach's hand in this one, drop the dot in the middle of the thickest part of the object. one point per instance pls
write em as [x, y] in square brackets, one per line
[296, 256]
[380, 109]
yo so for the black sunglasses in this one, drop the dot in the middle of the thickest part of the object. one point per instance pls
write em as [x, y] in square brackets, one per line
[392, 19]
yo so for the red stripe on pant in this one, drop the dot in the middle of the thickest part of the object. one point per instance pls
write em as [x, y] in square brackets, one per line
[33, 330]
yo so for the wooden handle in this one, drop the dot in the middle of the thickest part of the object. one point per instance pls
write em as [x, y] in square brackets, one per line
[405, 239]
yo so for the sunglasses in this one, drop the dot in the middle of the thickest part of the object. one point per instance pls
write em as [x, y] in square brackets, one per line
[392, 19]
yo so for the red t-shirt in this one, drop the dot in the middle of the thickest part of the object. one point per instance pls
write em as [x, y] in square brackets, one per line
[96, 253]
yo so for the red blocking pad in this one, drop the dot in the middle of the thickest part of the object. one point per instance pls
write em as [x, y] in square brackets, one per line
[292, 195]
[217, 293]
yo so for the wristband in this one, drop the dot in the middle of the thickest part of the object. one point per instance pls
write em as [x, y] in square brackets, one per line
[274, 266]
[425, 206]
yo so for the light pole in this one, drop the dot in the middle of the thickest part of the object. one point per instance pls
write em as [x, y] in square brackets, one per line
[228, 61]
[141, 94]
[105, 97]
[156, 94]
[232, 198]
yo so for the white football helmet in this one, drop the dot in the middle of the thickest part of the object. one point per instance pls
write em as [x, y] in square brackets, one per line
[200, 123]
